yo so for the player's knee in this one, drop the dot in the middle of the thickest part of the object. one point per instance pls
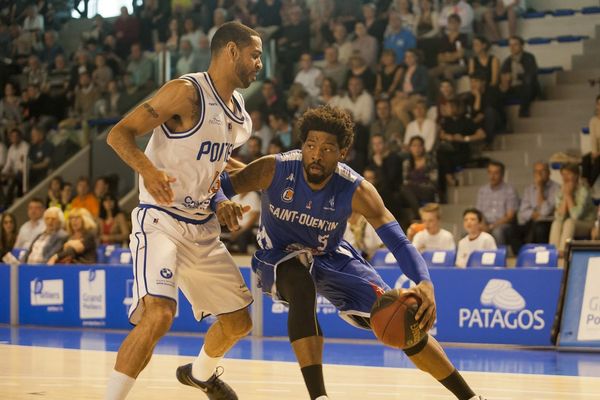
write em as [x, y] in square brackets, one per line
[236, 325]
[417, 348]
[158, 317]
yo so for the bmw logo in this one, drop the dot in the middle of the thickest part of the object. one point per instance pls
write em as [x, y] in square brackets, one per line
[166, 273]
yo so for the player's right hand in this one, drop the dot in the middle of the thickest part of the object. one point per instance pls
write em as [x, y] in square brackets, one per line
[158, 184]
[229, 213]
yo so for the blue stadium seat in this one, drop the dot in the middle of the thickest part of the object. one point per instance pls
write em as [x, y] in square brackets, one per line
[590, 10]
[502, 43]
[539, 40]
[555, 165]
[440, 258]
[534, 14]
[570, 38]
[383, 258]
[104, 251]
[563, 12]
[488, 258]
[537, 257]
[538, 246]
[120, 256]
[549, 70]
[18, 253]
[585, 131]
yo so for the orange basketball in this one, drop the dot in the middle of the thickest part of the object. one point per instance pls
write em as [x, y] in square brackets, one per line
[393, 319]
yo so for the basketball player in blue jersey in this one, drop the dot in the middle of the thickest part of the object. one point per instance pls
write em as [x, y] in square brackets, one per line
[196, 122]
[307, 198]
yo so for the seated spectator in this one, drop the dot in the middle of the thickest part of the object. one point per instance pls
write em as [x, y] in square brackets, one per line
[80, 247]
[451, 52]
[590, 163]
[113, 225]
[509, 8]
[102, 187]
[252, 149]
[309, 76]
[389, 75]
[8, 233]
[574, 214]
[187, 62]
[484, 64]
[219, 18]
[387, 164]
[342, 43]
[129, 96]
[292, 40]
[268, 17]
[413, 87]
[102, 74]
[40, 155]
[191, 33]
[329, 93]
[433, 237]
[82, 64]
[359, 69]
[127, 32]
[238, 241]
[172, 42]
[86, 96]
[484, 107]
[403, 8]
[476, 238]
[390, 127]
[398, 38]
[282, 129]
[421, 126]
[375, 25]
[537, 208]
[427, 22]
[33, 22]
[457, 135]
[362, 236]
[33, 227]
[275, 146]
[260, 129]
[107, 105]
[420, 175]
[519, 75]
[10, 108]
[202, 54]
[372, 175]
[84, 198]
[12, 172]
[358, 102]
[66, 197]
[498, 201]
[54, 190]
[463, 10]
[365, 45]
[35, 73]
[446, 92]
[38, 107]
[49, 242]
[333, 68]
[140, 67]
[270, 100]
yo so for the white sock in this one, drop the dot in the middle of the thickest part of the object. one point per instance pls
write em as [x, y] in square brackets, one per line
[118, 386]
[204, 366]
[322, 398]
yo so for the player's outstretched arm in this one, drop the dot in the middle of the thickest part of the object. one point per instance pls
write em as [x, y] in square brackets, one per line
[253, 177]
[368, 202]
[171, 100]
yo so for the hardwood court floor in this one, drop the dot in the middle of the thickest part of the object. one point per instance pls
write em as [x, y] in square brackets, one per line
[53, 373]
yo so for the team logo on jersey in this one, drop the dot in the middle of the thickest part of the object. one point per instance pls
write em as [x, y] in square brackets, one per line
[288, 195]
[166, 273]
[215, 121]
[309, 205]
[330, 204]
[290, 178]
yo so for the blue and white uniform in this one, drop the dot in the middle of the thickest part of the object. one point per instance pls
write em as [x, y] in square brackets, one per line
[178, 246]
[299, 222]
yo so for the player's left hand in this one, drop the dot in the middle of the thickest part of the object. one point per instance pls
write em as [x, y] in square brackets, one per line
[426, 314]
[229, 213]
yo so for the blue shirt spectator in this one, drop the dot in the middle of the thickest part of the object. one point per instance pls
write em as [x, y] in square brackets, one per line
[398, 39]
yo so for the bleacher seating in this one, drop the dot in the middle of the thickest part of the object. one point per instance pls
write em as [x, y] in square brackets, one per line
[537, 256]
[120, 256]
[440, 258]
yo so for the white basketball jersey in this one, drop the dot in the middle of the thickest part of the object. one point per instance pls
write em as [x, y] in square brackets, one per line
[197, 157]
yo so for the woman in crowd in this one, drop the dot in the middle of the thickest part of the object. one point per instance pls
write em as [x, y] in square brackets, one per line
[8, 234]
[389, 75]
[113, 225]
[359, 68]
[413, 87]
[50, 241]
[420, 176]
[421, 126]
[365, 44]
[54, 190]
[172, 42]
[483, 63]
[80, 247]
[427, 25]
[329, 94]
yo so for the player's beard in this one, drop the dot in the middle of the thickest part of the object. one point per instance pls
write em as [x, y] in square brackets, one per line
[315, 179]
[244, 75]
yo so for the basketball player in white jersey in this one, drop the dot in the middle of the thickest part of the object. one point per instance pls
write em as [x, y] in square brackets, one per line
[196, 122]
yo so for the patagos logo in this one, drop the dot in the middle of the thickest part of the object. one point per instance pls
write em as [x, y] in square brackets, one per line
[506, 310]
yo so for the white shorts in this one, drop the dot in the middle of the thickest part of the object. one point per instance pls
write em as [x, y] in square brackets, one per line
[170, 254]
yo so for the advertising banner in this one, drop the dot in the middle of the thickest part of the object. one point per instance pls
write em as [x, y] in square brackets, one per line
[581, 311]
[4, 294]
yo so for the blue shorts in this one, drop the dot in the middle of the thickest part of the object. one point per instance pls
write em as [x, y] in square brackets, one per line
[343, 277]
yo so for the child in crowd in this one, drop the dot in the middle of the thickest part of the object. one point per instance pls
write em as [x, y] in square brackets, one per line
[476, 238]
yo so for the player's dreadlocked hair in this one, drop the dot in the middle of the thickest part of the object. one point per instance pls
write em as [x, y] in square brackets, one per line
[328, 119]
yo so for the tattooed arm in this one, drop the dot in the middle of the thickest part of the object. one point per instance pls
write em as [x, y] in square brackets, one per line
[255, 176]
[163, 106]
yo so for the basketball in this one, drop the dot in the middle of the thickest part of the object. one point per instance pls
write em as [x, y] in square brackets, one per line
[393, 319]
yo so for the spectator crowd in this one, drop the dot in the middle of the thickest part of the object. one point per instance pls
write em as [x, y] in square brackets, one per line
[418, 77]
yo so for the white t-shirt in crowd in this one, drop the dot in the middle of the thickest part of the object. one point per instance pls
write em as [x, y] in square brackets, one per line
[427, 131]
[466, 246]
[443, 240]
[310, 80]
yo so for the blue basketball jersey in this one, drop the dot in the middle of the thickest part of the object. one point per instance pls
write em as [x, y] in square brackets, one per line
[294, 217]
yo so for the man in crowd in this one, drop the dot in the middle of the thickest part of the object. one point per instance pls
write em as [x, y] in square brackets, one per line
[33, 227]
[519, 75]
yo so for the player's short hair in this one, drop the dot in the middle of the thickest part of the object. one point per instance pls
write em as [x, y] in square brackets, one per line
[571, 167]
[498, 164]
[473, 210]
[431, 208]
[234, 32]
[328, 119]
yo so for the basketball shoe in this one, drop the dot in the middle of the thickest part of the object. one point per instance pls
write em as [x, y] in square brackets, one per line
[214, 387]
